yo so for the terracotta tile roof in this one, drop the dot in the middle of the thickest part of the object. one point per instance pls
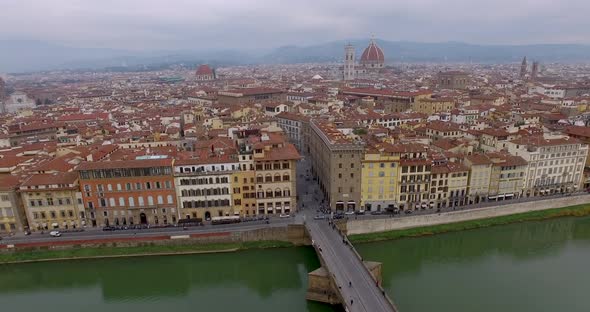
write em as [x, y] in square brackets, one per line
[9, 182]
[136, 163]
[286, 152]
[50, 179]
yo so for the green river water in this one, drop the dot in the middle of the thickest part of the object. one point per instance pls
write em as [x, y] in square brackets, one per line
[535, 266]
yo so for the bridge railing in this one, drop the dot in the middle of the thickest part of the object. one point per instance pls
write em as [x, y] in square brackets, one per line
[360, 259]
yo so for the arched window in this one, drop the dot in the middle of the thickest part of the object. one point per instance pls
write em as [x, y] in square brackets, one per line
[259, 178]
[169, 199]
[150, 200]
[217, 180]
[268, 193]
[160, 199]
[131, 202]
[277, 178]
[140, 201]
[109, 187]
[268, 178]
[285, 177]
[286, 193]
[121, 201]
[112, 201]
[278, 192]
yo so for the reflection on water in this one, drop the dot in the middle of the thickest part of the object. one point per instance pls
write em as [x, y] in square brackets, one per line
[534, 266]
[255, 280]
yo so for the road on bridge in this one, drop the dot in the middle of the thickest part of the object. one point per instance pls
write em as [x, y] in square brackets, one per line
[345, 267]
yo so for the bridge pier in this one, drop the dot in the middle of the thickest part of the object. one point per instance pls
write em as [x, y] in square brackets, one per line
[321, 287]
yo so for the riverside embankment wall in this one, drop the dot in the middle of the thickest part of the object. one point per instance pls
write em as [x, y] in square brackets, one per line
[293, 233]
[390, 224]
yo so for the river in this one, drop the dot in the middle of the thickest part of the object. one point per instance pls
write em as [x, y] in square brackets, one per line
[252, 280]
[533, 266]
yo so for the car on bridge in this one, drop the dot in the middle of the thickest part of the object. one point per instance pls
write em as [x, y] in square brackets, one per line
[55, 234]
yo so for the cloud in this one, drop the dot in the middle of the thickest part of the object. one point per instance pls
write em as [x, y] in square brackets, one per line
[252, 24]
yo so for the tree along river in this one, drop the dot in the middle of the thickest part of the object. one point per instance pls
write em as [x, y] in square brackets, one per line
[534, 266]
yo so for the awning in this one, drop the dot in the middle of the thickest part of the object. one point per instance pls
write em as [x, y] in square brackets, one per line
[351, 202]
[54, 224]
[236, 213]
[491, 197]
[269, 209]
[510, 195]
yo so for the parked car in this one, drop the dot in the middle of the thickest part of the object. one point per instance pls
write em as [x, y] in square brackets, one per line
[284, 215]
[376, 213]
[54, 234]
[109, 228]
[319, 217]
[350, 212]
[408, 211]
[360, 212]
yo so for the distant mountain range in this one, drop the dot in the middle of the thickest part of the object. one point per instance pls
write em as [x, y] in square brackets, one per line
[23, 56]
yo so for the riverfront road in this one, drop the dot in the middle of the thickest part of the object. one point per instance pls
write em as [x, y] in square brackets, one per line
[146, 233]
[342, 263]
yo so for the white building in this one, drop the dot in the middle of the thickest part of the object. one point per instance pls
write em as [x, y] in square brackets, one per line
[203, 186]
[554, 165]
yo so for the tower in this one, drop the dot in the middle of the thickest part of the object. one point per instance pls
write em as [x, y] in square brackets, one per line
[348, 71]
[2, 95]
[535, 70]
[2, 89]
[523, 68]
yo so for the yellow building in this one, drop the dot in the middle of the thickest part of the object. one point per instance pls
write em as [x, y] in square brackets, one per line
[53, 201]
[12, 216]
[479, 176]
[432, 106]
[246, 183]
[379, 177]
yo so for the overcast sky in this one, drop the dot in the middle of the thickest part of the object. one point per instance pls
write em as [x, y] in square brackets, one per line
[214, 24]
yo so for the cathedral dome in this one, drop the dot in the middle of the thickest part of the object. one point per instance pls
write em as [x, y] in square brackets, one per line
[204, 70]
[372, 55]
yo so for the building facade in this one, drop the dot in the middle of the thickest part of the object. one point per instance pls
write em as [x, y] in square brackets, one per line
[554, 165]
[336, 164]
[129, 192]
[53, 201]
[204, 186]
[12, 214]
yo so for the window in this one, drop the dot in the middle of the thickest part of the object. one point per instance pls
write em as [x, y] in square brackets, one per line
[340, 165]
[169, 199]
[128, 186]
[140, 201]
[121, 202]
[112, 202]
[131, 201]
[150, 200]
[158, 185]
[118, 186]
[160, 200]
[148, 185]
[4, 198]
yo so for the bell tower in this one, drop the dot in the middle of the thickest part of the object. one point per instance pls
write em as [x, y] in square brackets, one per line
[348, 71]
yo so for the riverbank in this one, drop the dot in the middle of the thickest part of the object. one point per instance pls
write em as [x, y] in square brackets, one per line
[27, 256]
[571, 211]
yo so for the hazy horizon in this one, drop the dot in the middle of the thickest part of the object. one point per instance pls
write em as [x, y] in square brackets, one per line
[257, 25]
